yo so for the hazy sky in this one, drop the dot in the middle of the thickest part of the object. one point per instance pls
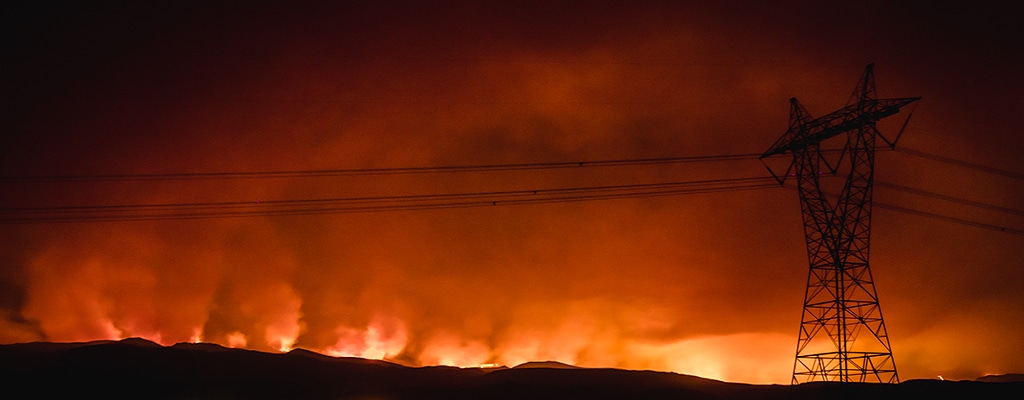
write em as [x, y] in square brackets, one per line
[706, 284]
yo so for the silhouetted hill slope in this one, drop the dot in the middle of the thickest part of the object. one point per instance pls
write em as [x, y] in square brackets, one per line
[1002, 378]
[140, 369]
[544, 364]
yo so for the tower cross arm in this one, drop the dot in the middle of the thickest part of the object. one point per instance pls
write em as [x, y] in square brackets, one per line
[862, 113]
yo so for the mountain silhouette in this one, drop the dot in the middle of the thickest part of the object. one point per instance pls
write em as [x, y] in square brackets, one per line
[140, 369]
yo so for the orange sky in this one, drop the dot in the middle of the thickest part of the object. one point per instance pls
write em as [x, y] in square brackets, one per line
[707, 284]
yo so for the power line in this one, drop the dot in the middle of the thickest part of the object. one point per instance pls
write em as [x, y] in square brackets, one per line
[315, 173]
[375, 171]
[949, 198]
[363, 200]
[212, 210]
[103, 213]
[950, 219]
[131, 212]
[419, 170]
[942, 217]
[960, 163]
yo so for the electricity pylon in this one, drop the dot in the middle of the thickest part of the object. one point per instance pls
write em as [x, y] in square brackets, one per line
[842, 335]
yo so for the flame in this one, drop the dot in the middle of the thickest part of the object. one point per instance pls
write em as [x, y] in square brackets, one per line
[744, 357]
[197, 335]
[285, 318]
[237, 340]
[454, 351]
[75, 298]
[382, 338]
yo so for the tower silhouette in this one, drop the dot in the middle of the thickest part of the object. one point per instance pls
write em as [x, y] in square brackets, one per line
[842, 334]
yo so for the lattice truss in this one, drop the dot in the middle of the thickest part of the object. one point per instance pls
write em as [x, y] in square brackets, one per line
[842, 334]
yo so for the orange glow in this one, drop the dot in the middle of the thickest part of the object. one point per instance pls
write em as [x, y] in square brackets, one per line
[385, 337]
[197, 336]
[283, 323]
[70, 302]
[453, 351]
[765, 358]
[236, 340]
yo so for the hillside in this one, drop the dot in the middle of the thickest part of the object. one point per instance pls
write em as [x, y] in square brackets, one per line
[136, 368]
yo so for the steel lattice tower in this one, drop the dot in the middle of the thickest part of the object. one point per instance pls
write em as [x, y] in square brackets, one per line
[842, 335]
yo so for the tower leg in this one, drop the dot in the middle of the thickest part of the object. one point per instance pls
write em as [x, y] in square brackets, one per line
[842, 335]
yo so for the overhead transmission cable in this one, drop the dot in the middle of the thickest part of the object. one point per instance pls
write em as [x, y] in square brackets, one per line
[960, 163]
[938, 196]
[947, 218]
[449, 168]
[374, 171]
[942, 217]
[101, 213]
